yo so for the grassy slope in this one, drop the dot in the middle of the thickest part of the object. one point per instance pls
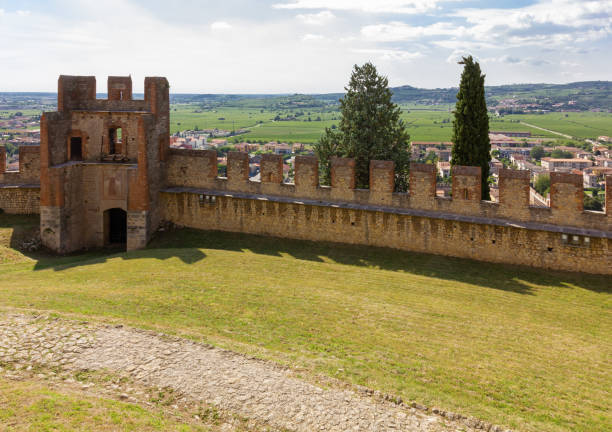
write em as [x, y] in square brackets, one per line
[527, 348]
[29, 405]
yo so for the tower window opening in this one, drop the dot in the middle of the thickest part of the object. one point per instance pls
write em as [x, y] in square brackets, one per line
[76, 148]
[114, 140]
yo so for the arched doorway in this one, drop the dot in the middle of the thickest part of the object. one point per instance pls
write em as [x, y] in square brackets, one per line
[115, 226]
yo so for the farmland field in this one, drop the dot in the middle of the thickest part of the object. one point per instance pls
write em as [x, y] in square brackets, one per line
[424, 122]
[521, 347]
[580, 125]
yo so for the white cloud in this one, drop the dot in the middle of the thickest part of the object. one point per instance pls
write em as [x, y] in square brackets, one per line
[390, 54]
[369, 6]
[560, 12]
[517, 60]
[313, 37]
[569, 64]
[268, 56]
[317, 19]
[220, 25]
[23, 12]
[549, 22]
[277, 52]
[399, 31]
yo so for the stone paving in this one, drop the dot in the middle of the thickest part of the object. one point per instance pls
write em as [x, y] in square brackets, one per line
[250, 388]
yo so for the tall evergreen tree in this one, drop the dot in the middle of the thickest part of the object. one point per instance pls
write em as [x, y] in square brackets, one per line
[370, 129]
[471, 125]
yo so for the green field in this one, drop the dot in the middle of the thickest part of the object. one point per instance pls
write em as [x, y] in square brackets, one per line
[516, 346]
[26, 112]
[295, 131]
[424, 122]
[185, 117]
[579, 125]
[505, 124]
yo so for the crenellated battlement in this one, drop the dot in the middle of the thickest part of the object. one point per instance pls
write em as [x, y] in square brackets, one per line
[78, 93]
[29, 167]
[566, 189]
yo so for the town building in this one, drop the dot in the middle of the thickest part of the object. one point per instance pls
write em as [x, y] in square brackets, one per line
[521, 134]
[565, 164]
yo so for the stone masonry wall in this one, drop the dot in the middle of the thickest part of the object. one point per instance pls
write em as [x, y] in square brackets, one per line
[19, 199]
[563, 237]
[484, 242]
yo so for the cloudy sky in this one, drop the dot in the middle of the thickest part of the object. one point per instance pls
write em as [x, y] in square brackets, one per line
[283, 46]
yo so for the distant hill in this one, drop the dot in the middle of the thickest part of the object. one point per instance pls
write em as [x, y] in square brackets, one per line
[583, 95]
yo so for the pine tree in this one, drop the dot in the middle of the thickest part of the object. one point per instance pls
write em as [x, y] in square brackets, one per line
[370, 129]
[471, 125]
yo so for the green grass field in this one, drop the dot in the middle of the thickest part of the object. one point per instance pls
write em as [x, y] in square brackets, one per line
[522, 347]
[579, 125]
[504, 124]
[424, 123]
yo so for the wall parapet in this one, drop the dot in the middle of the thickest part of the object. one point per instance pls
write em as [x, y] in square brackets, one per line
[29, 167]
[566, 189]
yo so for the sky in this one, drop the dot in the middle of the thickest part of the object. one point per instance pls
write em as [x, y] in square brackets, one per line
[301, 46]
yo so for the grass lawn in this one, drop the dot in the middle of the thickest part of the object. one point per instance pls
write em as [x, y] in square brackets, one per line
[33, 406]
[527, 348]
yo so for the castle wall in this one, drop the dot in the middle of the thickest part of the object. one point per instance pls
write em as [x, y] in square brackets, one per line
[192, 168]
[566, 209]
[561, 237]
[321, 222]
[19, 199]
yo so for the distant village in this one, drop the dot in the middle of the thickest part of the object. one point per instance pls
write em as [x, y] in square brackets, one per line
[17, 129]
[540, 106]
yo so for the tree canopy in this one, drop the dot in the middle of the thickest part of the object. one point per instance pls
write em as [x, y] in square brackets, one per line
[370, 128]
[538, 152]
[471, 124]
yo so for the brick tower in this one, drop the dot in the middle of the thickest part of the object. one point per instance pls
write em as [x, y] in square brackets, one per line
[102, 164]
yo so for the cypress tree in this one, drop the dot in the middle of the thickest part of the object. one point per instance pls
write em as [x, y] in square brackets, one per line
[370, 129]
[471, 125]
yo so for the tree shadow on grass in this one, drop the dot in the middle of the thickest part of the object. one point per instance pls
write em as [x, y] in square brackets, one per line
[514, 278]
[187, 245]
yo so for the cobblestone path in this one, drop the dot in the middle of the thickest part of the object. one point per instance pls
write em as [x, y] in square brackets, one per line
[251, 388]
